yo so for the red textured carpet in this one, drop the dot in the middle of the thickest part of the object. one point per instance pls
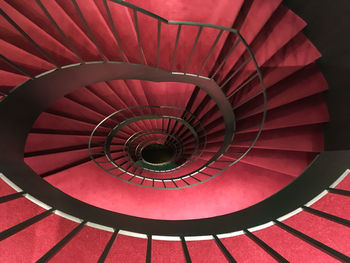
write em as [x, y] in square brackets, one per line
[56, 147]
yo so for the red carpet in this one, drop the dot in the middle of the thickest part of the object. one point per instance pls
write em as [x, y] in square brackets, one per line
[56, 148]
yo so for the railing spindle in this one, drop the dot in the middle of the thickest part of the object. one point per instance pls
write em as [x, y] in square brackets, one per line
[139, 45]
[225, 58]
[36, 45]
[63, 35]
[235, 72]
[193, 49]
[175, 48]
[243, 85]
[210, 51]
[88, 29]
[114, 30]
[108, 247]
[158, 42]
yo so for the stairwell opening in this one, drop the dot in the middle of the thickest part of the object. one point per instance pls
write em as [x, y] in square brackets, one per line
[158, 154]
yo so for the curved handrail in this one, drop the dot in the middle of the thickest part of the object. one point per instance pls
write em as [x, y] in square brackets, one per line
[212, 76]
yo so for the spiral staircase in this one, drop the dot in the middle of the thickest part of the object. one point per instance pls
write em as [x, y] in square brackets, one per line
[128, 137]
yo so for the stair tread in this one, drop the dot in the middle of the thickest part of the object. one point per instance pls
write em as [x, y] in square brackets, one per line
[53, 228]
[322, 230]
[290, 247]
[86, 246]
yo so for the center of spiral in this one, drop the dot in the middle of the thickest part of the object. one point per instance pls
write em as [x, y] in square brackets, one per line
[157, 154]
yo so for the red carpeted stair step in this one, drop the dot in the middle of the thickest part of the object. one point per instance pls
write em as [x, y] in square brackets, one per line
[307, 138]
[212, 252]
[29, 242]
[31, 64]
[291, 137]
[78, 110]
[345, 183]
[334, 204]
[125, 30]
[312, 110]
[286, 162]
[128, 249]
[10, 80]
[50, 162]
[86, 246]
[294, 56]
[322, 230]
[254, 17]
[290, 247]
[49, 48]
[205, 198]
[277, 32]
[288, 90]
[37, 142]
[167, 251]
[187, 35]
[65, 33]
[5, 189]
[53, 121]
[243, 249]
[17, 211]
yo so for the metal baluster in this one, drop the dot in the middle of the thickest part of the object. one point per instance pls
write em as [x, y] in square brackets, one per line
[174, 183]
[139, 45]
[193, 49]
[195, 178]
[225, 58]
[235, 72]
[114, 31]
[175, 48]
[185, 181]
[243, 85]
[205, 174]
[158, 42]
[70, 45]
[77, 8]
[108, 247]
[210, 52]
[20, 30]
[132, 177]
